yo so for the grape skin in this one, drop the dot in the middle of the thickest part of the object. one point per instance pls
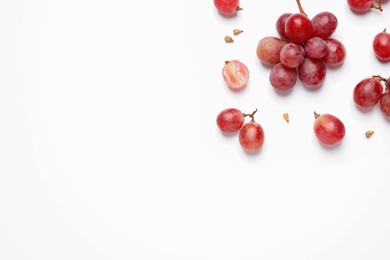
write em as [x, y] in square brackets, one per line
[315, 48]
[360, 5]
[282, 78]
[230, 120]
[268, 49]
[381, 46]
[298, 28]
[336, 52]
[328, 129]
[292, 55]
[367, 93]
[384, 104]
[324, 24]
[312, 73]
[251, 137]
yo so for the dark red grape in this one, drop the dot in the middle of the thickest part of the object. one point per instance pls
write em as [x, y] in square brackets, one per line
[381, 46]
[282, 78]
[298, 28]
[324, 24]
[312, 73]
[384, 104]
[367, 93]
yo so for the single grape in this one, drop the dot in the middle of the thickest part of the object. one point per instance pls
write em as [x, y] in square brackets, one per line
[292, 55]
[283, 78]
[312, 73]
[268, 49]
[251, 137]
[367, 93]
[361, 6]
[230, 120]
[384, 104]
[280, 25]
[227, 7]
[298, 28]
[328, 129]
[381, 45]
[324, 24]
[315, 48]
[235, 74]
[336, 52]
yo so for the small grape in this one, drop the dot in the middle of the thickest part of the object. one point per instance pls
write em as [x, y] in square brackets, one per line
[292, 55]
[312, 73]
[381, 45]
[298, 28]
[361, 6]
[235, 74]
[230, 120]
[283, 78]
[251, 137]
[384, 104]
[336, 52]
[280, 25]
[268, 49]
[328, 129]
[315, 48]
[227, 7]
[367, 93]
[324, 24]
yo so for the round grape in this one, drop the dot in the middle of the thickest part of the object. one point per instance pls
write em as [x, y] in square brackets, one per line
[336, 52]
[328, 129]
[227, 7]
[361, 6]
[280, 25]
[312, 73]
[268, 49]
[315, 48]
[235, 74]
[230, 120]
[324, 24]
[384, 104]
[381, 45]
[298, 28]
[292, 55]
[283, 78]
[367, 93]
[251, 137]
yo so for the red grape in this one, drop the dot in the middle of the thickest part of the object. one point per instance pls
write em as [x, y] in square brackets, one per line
[251, 137]
[312, 73]
[315, 48]
[236, 74]
[361, 6]
[268, 49]
[292, 55]
[298, 28]
[384, 104]
[281, 23]
[381, 45]
[227, 7]
[367, 93]
[230, 120]
[328, 129]
[324, 24]
[336, 52]
[283, 78]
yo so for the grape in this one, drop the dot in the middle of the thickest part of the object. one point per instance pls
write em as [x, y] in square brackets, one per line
[268, 49]
[282, 78]
[251, 137]
[384, 104]
[236, 74]
[230, 120]
[315, 48]
[280, 25]
[336, 52]
[324, 24]
[361, 6]
[292, 55]
[227, 7]
[381, 45]
[367, 93]
[328, 129]
[298, 28]
[312, 73]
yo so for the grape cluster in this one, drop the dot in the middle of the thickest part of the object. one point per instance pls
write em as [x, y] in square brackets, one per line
[302, 51]
[370, 91]
[251, 134]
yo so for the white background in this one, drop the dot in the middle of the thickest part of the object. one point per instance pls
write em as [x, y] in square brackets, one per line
[109, 147]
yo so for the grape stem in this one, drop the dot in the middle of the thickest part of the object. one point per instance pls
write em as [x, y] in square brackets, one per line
[300, 7]
[380, 78]
[251, 115]
[316, 115]
[379, 7]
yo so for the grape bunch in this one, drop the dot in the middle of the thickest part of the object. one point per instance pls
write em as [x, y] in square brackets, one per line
[370, 91]
[251, 134]
[302, 50]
